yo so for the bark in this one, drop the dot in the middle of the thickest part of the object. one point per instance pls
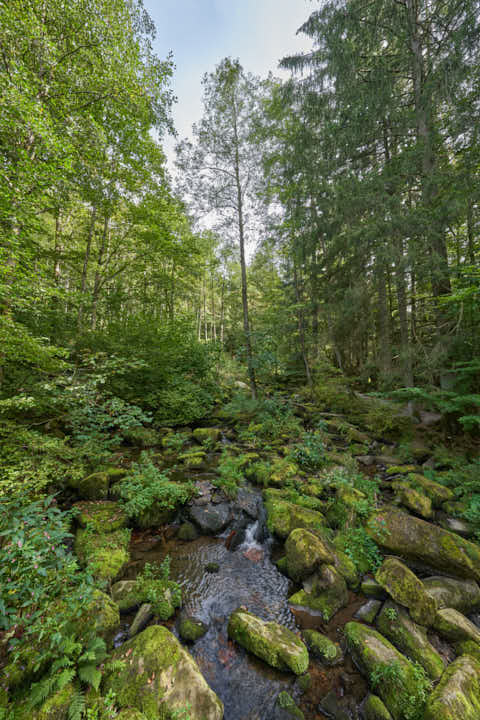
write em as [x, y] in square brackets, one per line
[301, 323]
[98, 271]
[86, 260]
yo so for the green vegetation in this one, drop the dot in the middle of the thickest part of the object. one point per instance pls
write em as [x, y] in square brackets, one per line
[413, 692]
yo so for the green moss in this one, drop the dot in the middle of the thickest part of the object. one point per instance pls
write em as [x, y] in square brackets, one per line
[401, 469]
[455, 627]
[283, 516]
[323, 598]
[56, 707]
[282, 471]
[104, 554]
[405, 588]
[468, 647]
[305, 552]
[287, 704]
[437, 493]
[374, 709]
[203, 435]
[417, 502]
[457, 695]
[322, 647]
[91, 487]
[187, 531]
[101, 516]
[191, 630]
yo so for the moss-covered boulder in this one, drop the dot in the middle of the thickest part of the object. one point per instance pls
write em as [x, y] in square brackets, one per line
[204, 435]
[155, 516]
[54, 708]
[457, 695]
[454, 626]
[347, 568]
[401, 469]
[406, 589]
[396, 625]
[374, 655]
[374, 709]
[417, 502]
[190, 629]
[164, 595]
[325, 593]
[102, 516]
[281, 472]
[105, 554]
[468, 647]
[462, 595]
[283, 516]
[322, 648]
[193, 459]
[187, 531]
[369, 611]
[271, 642]
[417, 539]
[286, 708]
[141, 437]
[437, 493]
[142, 618]
[92, 487]
[160, 678]
[102, 614]
[305, 552]
[371, 588]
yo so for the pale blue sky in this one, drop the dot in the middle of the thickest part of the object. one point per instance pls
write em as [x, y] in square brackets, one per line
[202, 32]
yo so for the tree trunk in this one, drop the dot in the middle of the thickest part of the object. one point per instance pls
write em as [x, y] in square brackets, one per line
[98, 272]
[301, 323]
[86, 260]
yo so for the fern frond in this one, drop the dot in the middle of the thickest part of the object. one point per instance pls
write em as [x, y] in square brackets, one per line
[60, 663]
[76, 708]
[41, 690]
[65, 677]
[90, 675]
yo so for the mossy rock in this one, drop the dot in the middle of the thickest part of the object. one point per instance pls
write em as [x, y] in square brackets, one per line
[271, 642]
[203, 435]
[281, 564]
[369, 611]
[401, 469]
[155, 516]
[374, 709]
[163, 594]
[187, 532]
[347, 568]
[160, 678]
[408, 590]
[282, 471]
[141, 437]
[190, 629]
[102, 516]
[54, 708]
[454, 626]
[437, 493]
[130, 714]
[462, 595]
[372, 653]
[372, 589]
[350, 497]
[91, 487]
[455, 508]
[326, 593]
[396, 625]
[416, 539]
[305, 552]
[105, 554]
[283, 516]
[102, 614]
[457, 695]
[286, 708]
[468, 647]
[417, 502]
[321, 647]
[193, 459]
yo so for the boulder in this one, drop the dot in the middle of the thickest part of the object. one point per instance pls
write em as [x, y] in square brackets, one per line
[396, 625]
[92, 487]
[203, 435]
[160, 678]
[368, 612]
[211, 519]
[187, 531]
[102, 613]
[190, 629]
[462, 595]
[105, 554]
[325, 593]
[371, 588]
[417, 502]
[374, 709]
[437, 493]
[101, 516]
[406, 589]
[286, 709]
[322, 648]
[164, 596]
[141, 619]
[458, 526]
[454, 626]
[305, 553]
[416, 539]
[283, 516]
[457, 695]
[269, 641]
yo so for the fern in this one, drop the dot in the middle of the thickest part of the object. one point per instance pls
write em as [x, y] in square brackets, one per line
[65, 677]
[90, 675]
[76, 708]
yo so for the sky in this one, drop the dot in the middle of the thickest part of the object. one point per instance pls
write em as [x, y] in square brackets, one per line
[202, 32]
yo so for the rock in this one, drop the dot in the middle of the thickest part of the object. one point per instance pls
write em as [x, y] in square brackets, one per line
[92, 487]
[286, 709]
[283, 516]
[193, 459]
[101, 516]
[190, 629]
[346, 567]
[269, 641]
[160, 678]
[122, 590]
[211, 519]
[248, 502]
[305, 553]
[457, 695]
[142, 618]
[416, 502]
[455, 525]
[162, 594]
[437, 493]
[324, 593]
[371, 588]
[321, 647]
[401, 469]
[396, 625]
[371, 652]
[419, 540]
[102, 613]
[468, 647]
[203, 435]
[406, 589]
[55, 707]
[187, 531]
[455, 508]
[282, 471]
[337, 708]
[368, 612]
[462, 595]
[374, 709]
[212, 567]
[105, 554]
[454, 626]
[155, 516]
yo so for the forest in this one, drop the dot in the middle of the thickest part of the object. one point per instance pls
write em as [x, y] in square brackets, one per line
[240, 396]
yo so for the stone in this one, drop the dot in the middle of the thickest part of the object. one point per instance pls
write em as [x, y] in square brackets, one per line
[337, 708]
[454, 626]
[190, 629]
[286, 708]
[416, 539]
[91, 487]
[468, 647]
[141, 619]
[101, 516]
[437, 493]
[325, 593]
[368, 612]
[374, 709]
[164, 596]
[160, 678]
[458, 526]
[371, 588]
[305, 552]
[406, 589]
[103, 614]
[457, 695]
[372, 652]
[401, 469]
[322, 648]
[271, 642]
[211, 519]
[283, 516]
[462, 595]
[203, 435]
[417, 502]
[187, 531]
[104, 554]
[155, 516]
[193, 459]
[282, 470]
[396, 625]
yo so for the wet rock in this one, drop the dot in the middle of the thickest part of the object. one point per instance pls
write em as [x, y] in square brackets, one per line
[374, 709]
[419, 540]
[454, 626]
[371, 651]
[305, 553]
[457, 695]
[416, 502]
[187, 531]
[211, 519]
[269, 641]
[371, 588]
[325, 593]
[142, 618]
[368, 612]
[163, 594]
[286, 709]
[91, 487]
[160, 678]
[406, 589]
[283, 516]
[396, 625]
[461, 527]
[248, 502]
[462, 595]
[304, 682]
[191, 629]
[338, 708]
[321, 647]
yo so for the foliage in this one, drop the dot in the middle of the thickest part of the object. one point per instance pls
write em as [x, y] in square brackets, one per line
[175, 441]
[153, 582]
[146, 487]
[309, 454]
[413, 694]
[360, 547]
[463, 407]
[231, 473]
